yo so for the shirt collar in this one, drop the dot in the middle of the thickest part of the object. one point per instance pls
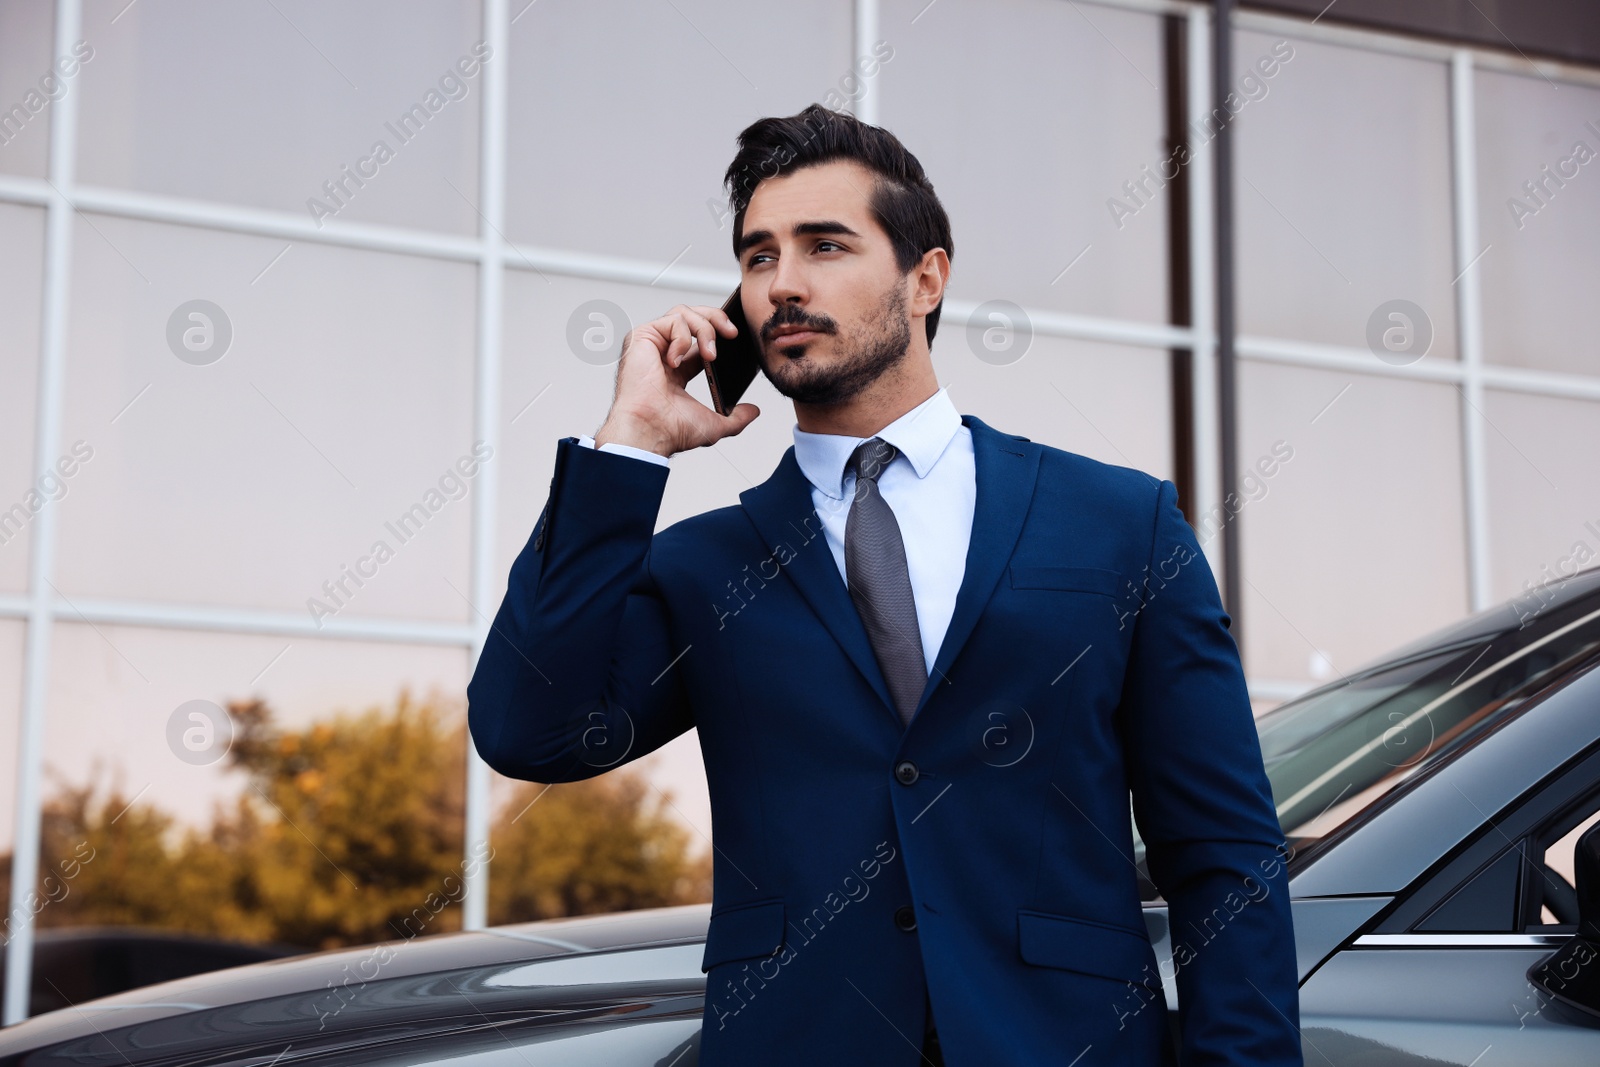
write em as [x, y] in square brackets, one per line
[921, 435]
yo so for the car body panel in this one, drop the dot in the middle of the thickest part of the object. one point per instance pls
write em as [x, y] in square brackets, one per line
[1438, 1005]
[424, 984]
[1321, 925]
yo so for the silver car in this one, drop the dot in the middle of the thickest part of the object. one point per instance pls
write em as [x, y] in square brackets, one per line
[1440, 808]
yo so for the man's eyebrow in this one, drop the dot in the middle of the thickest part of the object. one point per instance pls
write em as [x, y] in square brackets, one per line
[801, 229]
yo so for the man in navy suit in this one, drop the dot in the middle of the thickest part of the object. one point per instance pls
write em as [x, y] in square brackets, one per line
[938, 672]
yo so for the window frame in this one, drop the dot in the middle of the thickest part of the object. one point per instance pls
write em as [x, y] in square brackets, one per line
[1563, 799]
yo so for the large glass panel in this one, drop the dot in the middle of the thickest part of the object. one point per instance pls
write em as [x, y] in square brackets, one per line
[1108, 402]
[265, 418]
[21, 498]
[12, 636]
[1538, 211]
[29, 83]
[116, 691]
[552, 386]
[618, 141]
[549, 392]
[261, 104]
[1351, 511]
[1344, 190]
[1544, 492]
[1031, 117]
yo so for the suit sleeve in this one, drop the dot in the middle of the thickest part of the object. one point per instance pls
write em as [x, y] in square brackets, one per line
[573, 678]
[1204, 807]
[627, 450]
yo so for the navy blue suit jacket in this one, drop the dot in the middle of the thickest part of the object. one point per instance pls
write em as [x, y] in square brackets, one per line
[1088, 660]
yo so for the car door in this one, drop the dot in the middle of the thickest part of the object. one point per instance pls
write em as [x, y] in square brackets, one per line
[1442, 976]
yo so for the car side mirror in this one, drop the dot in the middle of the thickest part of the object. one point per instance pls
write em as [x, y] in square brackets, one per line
[1571, 974]
[1586, 869]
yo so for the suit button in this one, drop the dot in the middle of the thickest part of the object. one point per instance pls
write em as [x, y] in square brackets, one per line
[905, 772]
[906, 918]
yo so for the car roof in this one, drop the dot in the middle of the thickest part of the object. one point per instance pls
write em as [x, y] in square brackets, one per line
[1509, 615]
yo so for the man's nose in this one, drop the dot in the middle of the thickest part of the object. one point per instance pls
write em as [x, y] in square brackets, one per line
[788, 284]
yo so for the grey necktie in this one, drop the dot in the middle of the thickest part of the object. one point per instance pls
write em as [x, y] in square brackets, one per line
[880, 581]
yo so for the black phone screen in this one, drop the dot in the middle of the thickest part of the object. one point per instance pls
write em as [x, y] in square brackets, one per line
[737, 363]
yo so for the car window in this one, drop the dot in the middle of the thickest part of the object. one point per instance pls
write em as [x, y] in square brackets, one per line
[1334, 754]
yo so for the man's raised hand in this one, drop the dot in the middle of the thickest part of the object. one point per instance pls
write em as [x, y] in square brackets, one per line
[651, 408]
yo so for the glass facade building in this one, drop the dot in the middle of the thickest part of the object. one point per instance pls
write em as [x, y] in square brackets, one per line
[269, 275]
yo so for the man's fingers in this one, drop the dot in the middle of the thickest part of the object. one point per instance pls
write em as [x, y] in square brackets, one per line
[676, 339]
[712, 426]
[678, 345]
[701, 327]
[741, 416]
[720, 321]
[690, 331]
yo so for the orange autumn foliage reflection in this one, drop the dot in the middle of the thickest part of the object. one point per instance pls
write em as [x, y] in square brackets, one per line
[350, 831]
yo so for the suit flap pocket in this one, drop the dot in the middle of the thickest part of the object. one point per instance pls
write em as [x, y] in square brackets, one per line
[1080, 945]
[1082, 579]
[744, 931]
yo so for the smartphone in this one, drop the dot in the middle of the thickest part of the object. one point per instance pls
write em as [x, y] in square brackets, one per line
[737, 363]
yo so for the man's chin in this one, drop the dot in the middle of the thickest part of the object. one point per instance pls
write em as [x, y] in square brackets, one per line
[812, 391]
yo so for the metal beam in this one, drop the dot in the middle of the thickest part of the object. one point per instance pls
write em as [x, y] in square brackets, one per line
[486, 417]
[1202, 281]
[865, 35]
[300, 624]
[1227, 391]
[47, 440]
[1469, 326]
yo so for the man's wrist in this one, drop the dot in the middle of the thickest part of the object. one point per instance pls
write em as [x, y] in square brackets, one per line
[635, 434]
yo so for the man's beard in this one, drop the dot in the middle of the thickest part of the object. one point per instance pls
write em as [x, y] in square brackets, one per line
[840, 381]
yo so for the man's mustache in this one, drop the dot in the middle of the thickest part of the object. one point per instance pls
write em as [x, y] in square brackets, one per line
[779, 320]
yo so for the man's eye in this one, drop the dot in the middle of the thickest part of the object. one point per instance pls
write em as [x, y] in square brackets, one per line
[822, 246]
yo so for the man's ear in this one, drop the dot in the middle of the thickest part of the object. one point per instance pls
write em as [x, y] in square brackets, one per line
[928, 280]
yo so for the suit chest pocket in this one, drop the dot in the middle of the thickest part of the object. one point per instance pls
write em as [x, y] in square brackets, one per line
[1059, 609]
[1073, 579]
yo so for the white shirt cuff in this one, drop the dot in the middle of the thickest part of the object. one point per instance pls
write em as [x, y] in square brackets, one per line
[627, 450]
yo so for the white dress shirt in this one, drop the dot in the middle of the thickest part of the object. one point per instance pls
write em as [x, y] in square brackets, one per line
[931, 486]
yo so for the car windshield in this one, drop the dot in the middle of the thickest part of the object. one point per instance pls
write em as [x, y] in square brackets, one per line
[1334, 753]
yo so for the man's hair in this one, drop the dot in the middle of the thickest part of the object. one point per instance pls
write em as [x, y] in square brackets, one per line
[902, 199]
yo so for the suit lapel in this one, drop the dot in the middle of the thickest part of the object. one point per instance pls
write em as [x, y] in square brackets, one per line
[1007, 470]
[782, 510]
